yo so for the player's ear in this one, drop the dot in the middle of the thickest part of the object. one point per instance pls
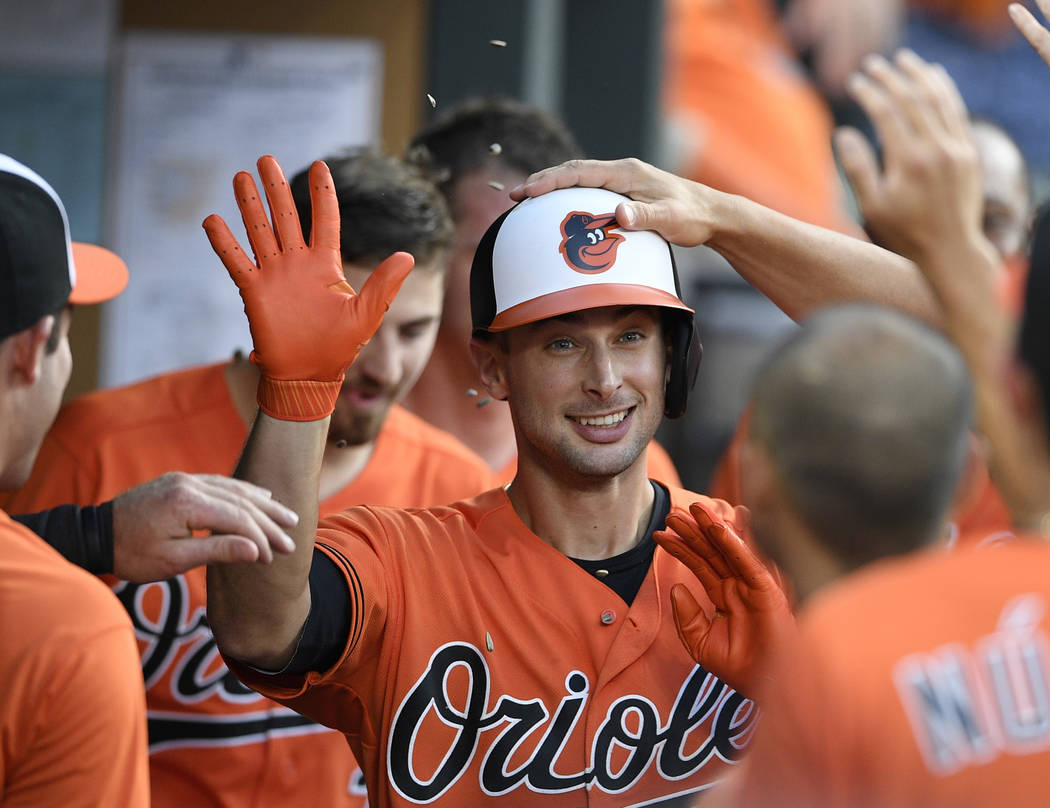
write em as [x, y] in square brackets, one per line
[26, 350]
[487, 352]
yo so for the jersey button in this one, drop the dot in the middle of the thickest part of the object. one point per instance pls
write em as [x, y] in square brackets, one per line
[608, 617]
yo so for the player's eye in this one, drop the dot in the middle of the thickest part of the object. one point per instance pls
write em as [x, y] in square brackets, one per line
[632, 336]
[416, 329]
[560, 344]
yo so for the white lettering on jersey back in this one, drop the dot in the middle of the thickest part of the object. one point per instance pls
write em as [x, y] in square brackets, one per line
[968, 706]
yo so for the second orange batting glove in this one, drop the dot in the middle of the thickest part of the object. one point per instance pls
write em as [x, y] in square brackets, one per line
[307, 324]
[752, 619]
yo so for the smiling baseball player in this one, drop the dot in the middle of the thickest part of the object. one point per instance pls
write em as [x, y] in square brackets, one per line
[519, 646]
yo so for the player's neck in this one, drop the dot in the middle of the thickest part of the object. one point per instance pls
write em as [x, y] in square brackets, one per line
[441, 398]
[590, 520]
[340, 466]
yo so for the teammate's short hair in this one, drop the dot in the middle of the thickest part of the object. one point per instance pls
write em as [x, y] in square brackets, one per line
[460, 140]
[865, 415]
[385, 205]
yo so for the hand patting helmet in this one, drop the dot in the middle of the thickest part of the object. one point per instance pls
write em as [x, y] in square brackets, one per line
[562, 252]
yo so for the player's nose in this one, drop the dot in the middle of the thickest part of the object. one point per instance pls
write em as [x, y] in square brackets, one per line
[380, 360]
[602, 376]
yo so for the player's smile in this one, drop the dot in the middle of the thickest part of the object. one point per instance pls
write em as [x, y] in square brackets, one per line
[585, 388]
[606, 428]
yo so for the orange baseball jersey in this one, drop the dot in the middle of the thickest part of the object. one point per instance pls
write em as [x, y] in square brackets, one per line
[658, 466]
[485, 666]
[212, 741]
[72, 714]
[982, 517]
[917, 682]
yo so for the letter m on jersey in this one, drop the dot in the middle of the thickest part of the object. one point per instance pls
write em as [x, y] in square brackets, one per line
[940, 693]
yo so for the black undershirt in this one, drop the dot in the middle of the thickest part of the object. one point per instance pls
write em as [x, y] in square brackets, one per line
[328, 624]
[84, 536]
[624, 573]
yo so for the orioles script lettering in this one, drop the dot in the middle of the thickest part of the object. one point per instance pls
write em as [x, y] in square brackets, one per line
[708, 720]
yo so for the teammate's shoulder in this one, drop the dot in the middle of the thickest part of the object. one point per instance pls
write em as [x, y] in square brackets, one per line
[915, 588]
[404, 431]
[48, 589]
[465, 513]
[156, 398]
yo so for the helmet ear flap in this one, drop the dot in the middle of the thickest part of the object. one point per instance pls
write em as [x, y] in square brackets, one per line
[686, 352]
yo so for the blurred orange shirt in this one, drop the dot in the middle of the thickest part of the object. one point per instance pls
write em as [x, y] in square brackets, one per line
[754, 124]
[919, 681]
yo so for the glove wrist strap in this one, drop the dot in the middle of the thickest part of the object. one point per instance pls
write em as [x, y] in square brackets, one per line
[297, 400]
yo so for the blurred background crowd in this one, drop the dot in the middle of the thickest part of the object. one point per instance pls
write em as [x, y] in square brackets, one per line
[739, 94]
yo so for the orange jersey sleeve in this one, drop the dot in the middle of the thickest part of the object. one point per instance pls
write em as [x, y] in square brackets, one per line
[484, 664]
[72, 719]
[751, 123]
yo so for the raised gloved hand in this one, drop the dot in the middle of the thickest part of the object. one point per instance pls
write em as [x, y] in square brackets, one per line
[752, 616]
[307, 324]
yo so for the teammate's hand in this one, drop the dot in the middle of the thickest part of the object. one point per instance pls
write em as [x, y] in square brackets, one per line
[928, 192]
[1036, 34]
[153, 526]
[682, 211]
[307, 324]
[752, 616]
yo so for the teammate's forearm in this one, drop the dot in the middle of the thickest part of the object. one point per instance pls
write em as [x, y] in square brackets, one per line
[963, 274]
[256, 612]
[801, 267]
[83, 535]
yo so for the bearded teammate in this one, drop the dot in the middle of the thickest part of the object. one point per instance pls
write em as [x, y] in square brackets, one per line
[212, 741]
[516, 646]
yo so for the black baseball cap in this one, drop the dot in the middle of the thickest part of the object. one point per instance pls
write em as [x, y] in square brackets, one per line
[41, 269]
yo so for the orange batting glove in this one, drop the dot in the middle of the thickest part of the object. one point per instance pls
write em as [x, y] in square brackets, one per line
[752, 616]
[307, 323]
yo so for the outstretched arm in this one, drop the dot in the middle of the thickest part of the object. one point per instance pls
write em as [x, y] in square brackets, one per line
[752, 617]
[799, 266]
[146, 533]
[926, 203]
[307, 326]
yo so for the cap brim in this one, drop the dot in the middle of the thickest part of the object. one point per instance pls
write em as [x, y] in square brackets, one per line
[590, 296]
[101, 275]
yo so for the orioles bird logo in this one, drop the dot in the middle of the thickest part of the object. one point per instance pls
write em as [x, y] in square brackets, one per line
[588, 243]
